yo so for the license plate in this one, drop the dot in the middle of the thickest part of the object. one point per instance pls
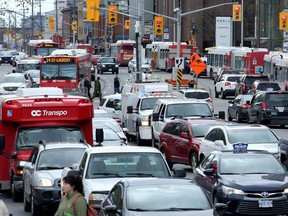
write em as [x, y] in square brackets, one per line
[280, 109]
[110, 69]
[6, 61]
[265, 204]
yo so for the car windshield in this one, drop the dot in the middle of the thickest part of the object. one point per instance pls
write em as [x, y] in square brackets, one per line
[108, 135]
[277, 97]
[197, 95]
[112, 124]
[167, 197]
[22, 67]
[244, 163]
[200, 130]
[99, 115]
[250, 80]
[121, 164]
[148, 103]
[34, 74]
[107, 60]
[251, 136]
[12, 79]
[59, 158]
[189, 109]
[27, 138]
[268, 87]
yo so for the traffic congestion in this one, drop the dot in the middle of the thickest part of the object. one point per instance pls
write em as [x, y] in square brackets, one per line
[97, 125]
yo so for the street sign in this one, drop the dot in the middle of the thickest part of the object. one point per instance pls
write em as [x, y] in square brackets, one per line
[179, 76]
[196, 64]
[179, 63]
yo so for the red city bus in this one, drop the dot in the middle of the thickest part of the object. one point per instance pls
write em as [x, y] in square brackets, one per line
[42, 47]
[35, 114]
[122, 50]
[65, 68]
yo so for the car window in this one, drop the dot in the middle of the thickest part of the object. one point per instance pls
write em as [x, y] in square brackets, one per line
[114, 195]
[197, 95]
[102, 102]
[110, 103]
[169, 127]
[277, 97]
[233, 79]
[268, 87]
[212, 135]
[206, 162]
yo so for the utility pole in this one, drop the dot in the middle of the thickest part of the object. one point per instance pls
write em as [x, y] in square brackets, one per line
[56, 15]
[32, 19]
[73, 20]
[242, 23]
[257, 23]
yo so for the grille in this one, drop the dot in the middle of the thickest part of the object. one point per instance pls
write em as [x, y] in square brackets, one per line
[10, 88]
[47, 195]
[260, 195]
[252, 208]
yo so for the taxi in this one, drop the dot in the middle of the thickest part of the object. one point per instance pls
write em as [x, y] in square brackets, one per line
[250, 182]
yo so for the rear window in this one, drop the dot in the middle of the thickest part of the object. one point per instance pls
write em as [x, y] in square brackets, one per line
[197, 95]
[277, 97]
[268, 87]
[233, 79]
[250, 80]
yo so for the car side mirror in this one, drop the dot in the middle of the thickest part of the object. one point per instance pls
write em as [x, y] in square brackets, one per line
[221, 114]
[155, 117]
[179, 173]
[130, 109]
[230, 102]
[111, 209]
[220, 207]
[28, 165]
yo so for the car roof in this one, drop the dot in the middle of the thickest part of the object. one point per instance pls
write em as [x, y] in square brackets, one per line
[157, 181]
[61, 145]
[241, 126]
[181, 101]
[200, 120]
[14, 74]
[233, 152]
[115, 96]
[123, 149]
[193, 90]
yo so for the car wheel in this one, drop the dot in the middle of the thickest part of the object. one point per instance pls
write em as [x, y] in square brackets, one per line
[35, 209]
[170, 164]
[223, 96]
[193, 161]
[216, 94]
[16, 196]
[26, 204]
[238, 119]
[229, 117]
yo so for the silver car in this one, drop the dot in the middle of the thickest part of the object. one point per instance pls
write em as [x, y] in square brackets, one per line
[145, 67]
[12, 81]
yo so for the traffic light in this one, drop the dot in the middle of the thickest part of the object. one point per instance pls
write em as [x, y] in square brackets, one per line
[158, 25]
[237, 12]
[127, 24]
[51, 23]
[74, 25]
[92, 10]
[112, 15]
[283, 19]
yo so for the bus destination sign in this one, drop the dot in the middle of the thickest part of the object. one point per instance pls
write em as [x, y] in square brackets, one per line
[47, 45]
[59, 60]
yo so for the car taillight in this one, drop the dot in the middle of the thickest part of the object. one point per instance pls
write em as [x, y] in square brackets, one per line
[227, 83]
[243, 86]
[245, 106]
[209, 100]
[264, 106]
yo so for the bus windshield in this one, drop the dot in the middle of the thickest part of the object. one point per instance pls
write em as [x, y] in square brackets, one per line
[59, 71]
[44, 51]
[29, 137]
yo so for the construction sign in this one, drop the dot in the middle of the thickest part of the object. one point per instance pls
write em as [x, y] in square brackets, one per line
[179, 76]
[196, 64]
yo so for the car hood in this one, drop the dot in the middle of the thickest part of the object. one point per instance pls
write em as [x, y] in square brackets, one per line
[104, 184]
[257, 182]
[172, 213]
[11, 84]
[51, 174]
[270, 147]
[146, 112]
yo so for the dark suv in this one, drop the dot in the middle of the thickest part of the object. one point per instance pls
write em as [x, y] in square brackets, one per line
[269, 108]
[246, 81]
[107, 64]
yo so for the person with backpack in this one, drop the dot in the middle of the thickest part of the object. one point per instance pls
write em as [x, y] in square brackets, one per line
[72, 188]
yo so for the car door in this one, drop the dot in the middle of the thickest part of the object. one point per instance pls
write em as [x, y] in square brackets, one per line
[234, 106]
[182, 144]
[208, 143]
[253, 108]
[159, 125]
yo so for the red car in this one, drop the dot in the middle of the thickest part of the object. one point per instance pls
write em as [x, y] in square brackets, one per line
[180, 139]
[94, 59]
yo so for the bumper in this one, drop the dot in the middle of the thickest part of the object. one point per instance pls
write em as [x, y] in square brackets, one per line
[18, 183]
[229, 92]
[276, 120]
[113, 70]
[46, 196]
[145, 132]
[243, 205]
[243, 114]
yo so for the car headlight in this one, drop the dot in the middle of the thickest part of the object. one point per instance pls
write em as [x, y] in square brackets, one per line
[116, 65]
[95, 199]
[228, 191]
[103, 66]
[45, 182]
[286, 190]
[19, 167]
[145, 121]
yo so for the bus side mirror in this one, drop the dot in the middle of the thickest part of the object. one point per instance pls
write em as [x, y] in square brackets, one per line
[99, 135]
[2, 142]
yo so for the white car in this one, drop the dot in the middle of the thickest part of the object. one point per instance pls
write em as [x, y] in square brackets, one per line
[111, 124]
[258, 137]
[226, 86]
[101, 114]
[145, 67]
[12, 81]
[35, 74]
[102, 167]
[112, 105]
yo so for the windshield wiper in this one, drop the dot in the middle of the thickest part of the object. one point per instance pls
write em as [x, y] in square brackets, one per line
[141, 174]
[108, 174]
[49, 168]
[179, 209]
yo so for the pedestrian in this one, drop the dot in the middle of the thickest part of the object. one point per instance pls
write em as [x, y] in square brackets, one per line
[72, 187]
[87, 86]
[3, 208]
[116, 85]
[97, 88]
[192, 81]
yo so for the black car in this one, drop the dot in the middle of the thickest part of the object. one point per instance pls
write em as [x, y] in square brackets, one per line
[238, 107]
[249, 182]
[107, 64]
[246, 81]
[7, 57]
[269, 108]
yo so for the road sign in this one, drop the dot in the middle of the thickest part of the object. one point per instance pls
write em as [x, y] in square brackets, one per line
[179, 76]
[196, 64]
[179, 63]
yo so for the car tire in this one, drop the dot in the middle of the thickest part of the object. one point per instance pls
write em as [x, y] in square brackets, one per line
[238, 119]
[170, 164]
[229, 117]
[35, 209]
[216, 94]
[223, 95]
[117, 72]
[16, 196]
[193, 161]
[26, 204]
